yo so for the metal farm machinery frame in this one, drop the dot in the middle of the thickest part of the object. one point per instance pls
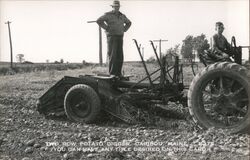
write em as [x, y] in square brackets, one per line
[219, 96]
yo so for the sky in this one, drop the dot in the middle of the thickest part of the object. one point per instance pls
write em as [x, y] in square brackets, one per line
[58, 29]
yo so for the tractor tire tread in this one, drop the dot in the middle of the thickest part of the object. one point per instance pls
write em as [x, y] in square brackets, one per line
[233, 67]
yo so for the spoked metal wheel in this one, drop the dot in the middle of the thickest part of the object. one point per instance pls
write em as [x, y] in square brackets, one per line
[224, 100]
[82, 104]
[220, 96]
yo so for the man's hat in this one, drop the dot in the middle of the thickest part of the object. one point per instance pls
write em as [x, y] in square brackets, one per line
[115, 3]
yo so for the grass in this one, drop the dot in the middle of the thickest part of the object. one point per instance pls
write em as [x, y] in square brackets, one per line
[5, 68]
[135, 69]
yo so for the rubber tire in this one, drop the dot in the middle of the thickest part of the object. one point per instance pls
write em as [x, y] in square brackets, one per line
[231, 69]
[91, 96]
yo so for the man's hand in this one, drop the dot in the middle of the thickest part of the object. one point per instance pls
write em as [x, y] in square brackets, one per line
[102, 24]
[224, 55]
[107, 28]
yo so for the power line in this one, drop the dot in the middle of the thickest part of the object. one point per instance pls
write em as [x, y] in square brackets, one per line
[160, 40]
[100, 42]
[11, 50]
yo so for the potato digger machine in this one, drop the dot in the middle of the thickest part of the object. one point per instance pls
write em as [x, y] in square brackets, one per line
[218, 96]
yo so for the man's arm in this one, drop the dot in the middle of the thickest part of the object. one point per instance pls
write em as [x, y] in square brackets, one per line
[127, 24]
[101, 22]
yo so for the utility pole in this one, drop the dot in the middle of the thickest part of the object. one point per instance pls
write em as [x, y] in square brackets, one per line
[143, 52]
[249, 55]
[160, 40]
[11, 53]
[100, 42]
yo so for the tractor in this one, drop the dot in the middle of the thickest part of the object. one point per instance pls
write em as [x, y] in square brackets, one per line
[219, 95]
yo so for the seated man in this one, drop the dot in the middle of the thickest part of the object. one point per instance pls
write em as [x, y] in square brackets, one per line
[220, 48]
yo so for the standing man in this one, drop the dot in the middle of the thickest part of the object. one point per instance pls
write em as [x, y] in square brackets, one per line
[115, 24]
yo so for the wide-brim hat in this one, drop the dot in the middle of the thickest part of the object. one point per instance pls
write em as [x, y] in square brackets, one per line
[116, 3]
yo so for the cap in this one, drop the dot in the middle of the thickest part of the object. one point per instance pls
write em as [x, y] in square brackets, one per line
[115, 3]
[219, 24]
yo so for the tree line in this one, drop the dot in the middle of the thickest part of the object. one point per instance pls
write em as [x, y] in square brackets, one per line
[190, 44]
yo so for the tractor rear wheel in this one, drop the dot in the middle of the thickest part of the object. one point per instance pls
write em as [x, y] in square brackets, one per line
[82, 104]
[219, 97]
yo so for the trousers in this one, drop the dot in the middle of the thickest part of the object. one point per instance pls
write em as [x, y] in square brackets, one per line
[115, 54]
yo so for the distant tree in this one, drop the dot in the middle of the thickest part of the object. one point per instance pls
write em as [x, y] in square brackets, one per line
[173, 50]
[187, 47]
[27, 62]
[20, 58]
[190, 43]
[47, 61]
[176, 49]
[200, 43]
[169, 55]
[170, 50]
[151, 59]
[61, 60]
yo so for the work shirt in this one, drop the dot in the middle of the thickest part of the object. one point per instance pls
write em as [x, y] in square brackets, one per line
[114, 23]
[220, 44]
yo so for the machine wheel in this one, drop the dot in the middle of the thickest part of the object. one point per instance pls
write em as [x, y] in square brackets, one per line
[219, 97]
[82, 104]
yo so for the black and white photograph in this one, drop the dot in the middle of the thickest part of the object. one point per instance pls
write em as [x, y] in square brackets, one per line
[124, 80]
